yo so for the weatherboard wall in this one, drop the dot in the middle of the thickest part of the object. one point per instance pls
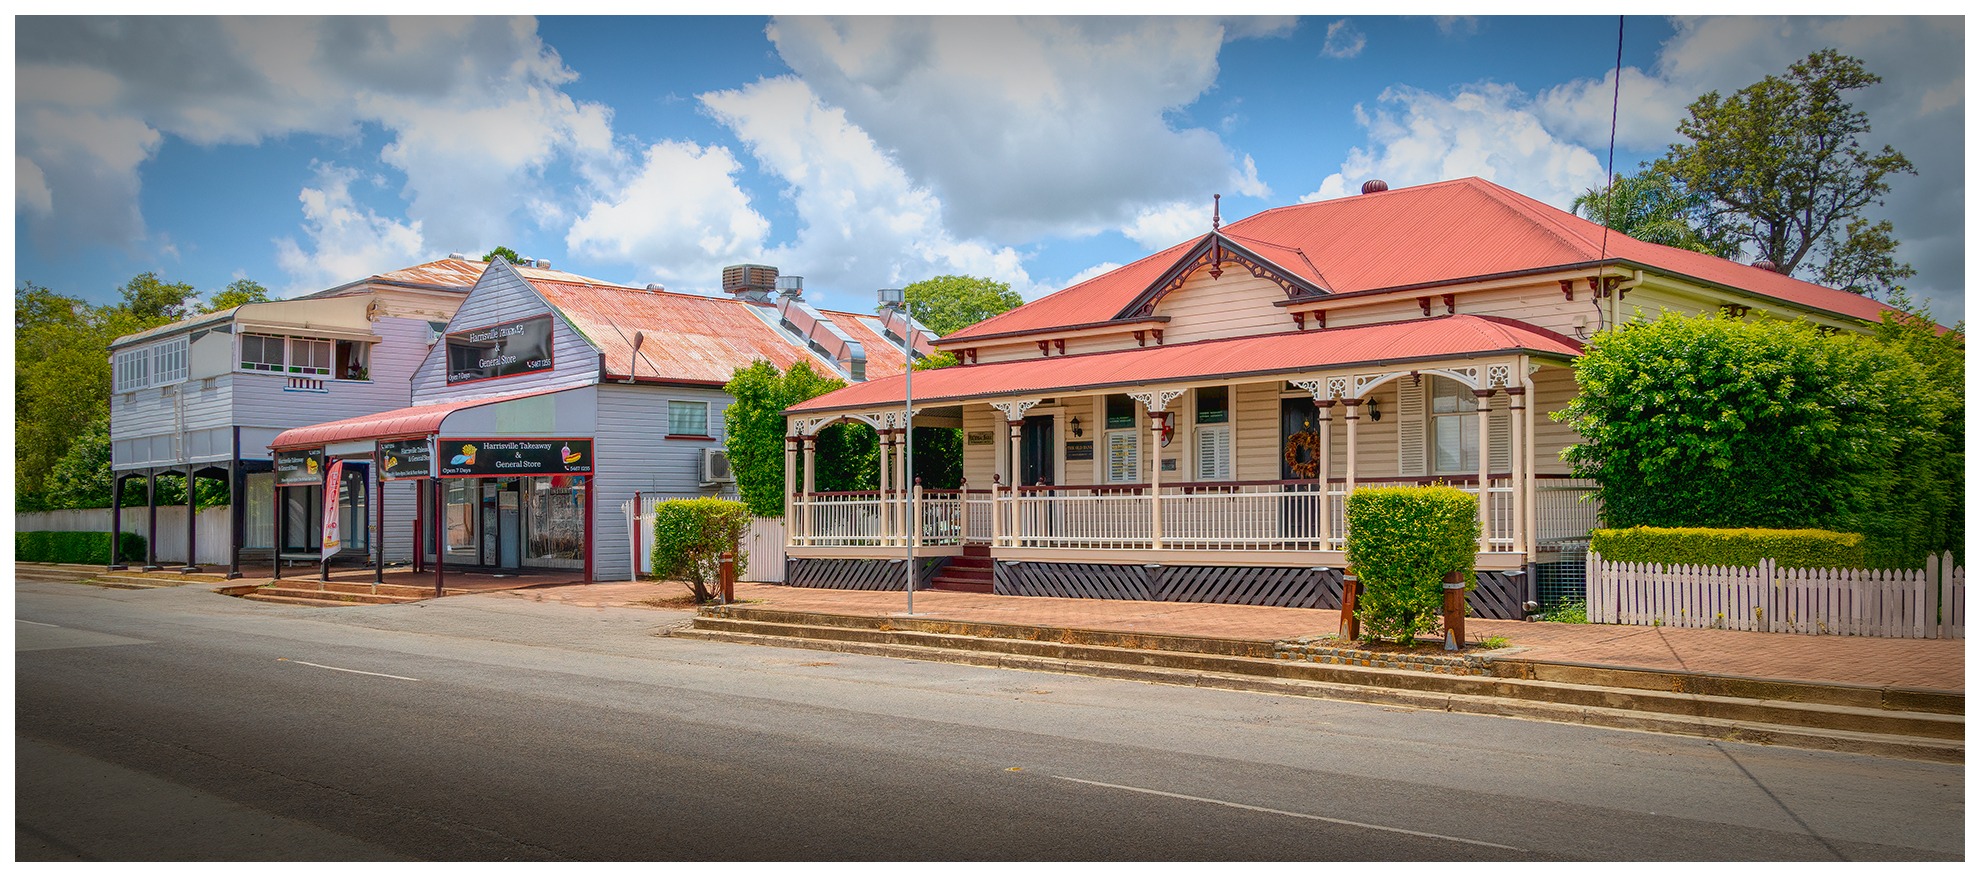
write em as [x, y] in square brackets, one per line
[502, 296]
[636, 455]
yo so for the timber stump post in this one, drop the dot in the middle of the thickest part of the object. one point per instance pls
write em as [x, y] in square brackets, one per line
[1453, 611]
[1350, 595]
[726, 573]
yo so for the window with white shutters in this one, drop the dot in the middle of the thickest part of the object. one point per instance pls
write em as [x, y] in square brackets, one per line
[1410, 450]
[1123, 457]
[1213, 453]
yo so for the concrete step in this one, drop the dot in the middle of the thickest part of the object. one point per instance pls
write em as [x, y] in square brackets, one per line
[1925, 716]
[302, 593]
[135, 582]
[297, 601]
[365, 587]
[1884, 745]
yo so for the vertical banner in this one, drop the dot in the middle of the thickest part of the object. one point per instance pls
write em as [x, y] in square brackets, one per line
[333, 541]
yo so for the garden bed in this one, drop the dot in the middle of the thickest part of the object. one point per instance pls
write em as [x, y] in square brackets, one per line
[1423, 657]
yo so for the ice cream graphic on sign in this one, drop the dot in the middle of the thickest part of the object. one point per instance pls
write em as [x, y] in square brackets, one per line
[571, 456]
[464, 458]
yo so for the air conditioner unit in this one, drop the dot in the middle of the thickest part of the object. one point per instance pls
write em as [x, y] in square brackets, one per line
[715, 467]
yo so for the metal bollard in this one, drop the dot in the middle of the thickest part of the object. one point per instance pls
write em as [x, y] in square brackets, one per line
[1453, 611]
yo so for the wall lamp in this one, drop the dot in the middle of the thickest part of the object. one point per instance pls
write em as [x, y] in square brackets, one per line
[1077, 432]
[1374, 413]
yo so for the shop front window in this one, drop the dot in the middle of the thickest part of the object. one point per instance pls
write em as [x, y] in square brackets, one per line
[554, 520]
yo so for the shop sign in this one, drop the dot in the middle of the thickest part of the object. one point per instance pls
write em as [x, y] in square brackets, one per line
[299, 467]
[512, 348]
[407, 459]
[333, 501]
[499, 457]
[1080, 450]
[982, 437]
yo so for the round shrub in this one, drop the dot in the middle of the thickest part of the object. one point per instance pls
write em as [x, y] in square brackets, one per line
[1401, 542]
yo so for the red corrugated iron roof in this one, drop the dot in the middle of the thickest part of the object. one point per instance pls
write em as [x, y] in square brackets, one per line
[1414, 340]
[692, 338]
[1417, 236]
[417, 420]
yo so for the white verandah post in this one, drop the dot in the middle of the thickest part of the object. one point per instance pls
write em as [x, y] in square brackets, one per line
[1516, 398]
[810, 487]
[790, 489]
[884, 506]
[1484, 467]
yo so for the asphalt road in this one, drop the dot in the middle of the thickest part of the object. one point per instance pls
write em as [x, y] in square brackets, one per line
[177, 724]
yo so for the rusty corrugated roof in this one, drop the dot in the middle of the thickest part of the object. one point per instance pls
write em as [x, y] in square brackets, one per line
[1418, 236]
[1285, 353]
[693, 338]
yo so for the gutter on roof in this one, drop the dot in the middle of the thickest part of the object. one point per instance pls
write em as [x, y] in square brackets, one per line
[1363, 363]
[1075, 327]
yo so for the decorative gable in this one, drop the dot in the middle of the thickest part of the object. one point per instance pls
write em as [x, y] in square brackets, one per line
[1209, 256]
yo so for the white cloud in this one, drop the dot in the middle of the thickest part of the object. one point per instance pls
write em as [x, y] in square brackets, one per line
[30, 187]
[347, 240]
[862, 222]
[1163, 226]
[1457, 25]
[1918, 109]
[1024, 128]
[1486, 130]
[1343, 40]
[472, 108]
[681, 218]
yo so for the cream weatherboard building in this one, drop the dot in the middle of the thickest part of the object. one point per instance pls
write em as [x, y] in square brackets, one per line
[1186, 427]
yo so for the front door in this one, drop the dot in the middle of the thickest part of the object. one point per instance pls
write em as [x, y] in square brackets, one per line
[1299, 515]
[1037, 451]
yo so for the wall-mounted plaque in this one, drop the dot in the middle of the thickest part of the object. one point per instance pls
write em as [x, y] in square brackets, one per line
[1079, 450]
[982, 437]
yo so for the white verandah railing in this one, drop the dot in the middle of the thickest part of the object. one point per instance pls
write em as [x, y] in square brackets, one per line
[1266, 515]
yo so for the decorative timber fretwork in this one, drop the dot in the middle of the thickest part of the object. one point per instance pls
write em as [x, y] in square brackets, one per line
[1156, 401]
[1498, 376]
[1014, 409]
[1213, 253]
[1567, 289]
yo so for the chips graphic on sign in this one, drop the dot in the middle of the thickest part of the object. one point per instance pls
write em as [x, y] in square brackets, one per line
[465, 457]
[391, 462]
[310, 464]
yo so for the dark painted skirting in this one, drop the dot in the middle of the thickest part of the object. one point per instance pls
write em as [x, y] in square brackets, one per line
[857, 574]
[1498, 594]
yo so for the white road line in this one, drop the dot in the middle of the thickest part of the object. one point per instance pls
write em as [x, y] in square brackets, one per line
[1348, 822]
[36, 623]
[347, 670]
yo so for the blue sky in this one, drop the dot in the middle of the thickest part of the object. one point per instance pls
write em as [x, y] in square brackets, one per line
[860, 153]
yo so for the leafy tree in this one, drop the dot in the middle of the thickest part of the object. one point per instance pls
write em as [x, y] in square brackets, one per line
[237, 293]
[1782, 170]
[1713, 422]
[689, 537]
[512, 256]
[155, 302]
[950, 302]
[1652, 207]
[1941, 355]
[848, 455]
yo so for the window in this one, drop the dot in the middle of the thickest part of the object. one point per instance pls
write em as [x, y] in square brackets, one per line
[132, 368]
[1123, 457]
[353, 361]
[687, 418]
[1213, 453]
[168, 361]
[1453, 427]
[263, 353]
[1120, 412]
[309, 357]
[1213, 405]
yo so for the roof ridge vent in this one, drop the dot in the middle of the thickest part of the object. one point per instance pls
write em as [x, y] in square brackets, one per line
[1373, 186]
[459, 257]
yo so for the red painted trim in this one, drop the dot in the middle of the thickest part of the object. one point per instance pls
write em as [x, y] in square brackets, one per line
[590, 532]
[690, 438]
[608, 377]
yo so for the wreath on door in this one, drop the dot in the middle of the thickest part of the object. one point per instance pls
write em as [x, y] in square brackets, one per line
[1303, 453]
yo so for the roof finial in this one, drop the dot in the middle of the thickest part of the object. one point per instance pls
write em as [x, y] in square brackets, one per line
[1216, 212]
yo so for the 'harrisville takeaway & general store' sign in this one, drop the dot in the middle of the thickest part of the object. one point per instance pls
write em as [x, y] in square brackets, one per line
[512, 348]
[494, 458]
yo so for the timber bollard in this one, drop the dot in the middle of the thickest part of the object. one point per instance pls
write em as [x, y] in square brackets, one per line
[728, 577]
[1453, 611]
[1350, 594]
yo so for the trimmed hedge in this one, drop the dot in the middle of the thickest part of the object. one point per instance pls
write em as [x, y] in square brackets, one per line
[689, 536]
[1707, 546]
[1401, 541]
[71, 546]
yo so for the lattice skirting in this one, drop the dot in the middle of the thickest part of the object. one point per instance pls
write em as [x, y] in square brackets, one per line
[854, 574]
[1301, 587]
[1498, 595]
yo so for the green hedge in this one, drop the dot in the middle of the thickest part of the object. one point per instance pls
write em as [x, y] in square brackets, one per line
[1707, 546]
[689, 536]
[1401, 541]
[69, 546]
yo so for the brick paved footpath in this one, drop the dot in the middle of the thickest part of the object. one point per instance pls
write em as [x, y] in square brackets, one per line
[1910, 663]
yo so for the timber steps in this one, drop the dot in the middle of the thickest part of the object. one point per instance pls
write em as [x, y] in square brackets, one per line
[969, 571]
[1904, 723]
[308, 592]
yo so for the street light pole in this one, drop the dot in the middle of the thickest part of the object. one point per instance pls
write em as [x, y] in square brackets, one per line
[897, 300]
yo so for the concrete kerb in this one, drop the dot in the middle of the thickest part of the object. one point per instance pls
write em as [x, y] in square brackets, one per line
[1902, 723]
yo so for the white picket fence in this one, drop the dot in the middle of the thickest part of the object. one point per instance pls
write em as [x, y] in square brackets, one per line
[764, 542]
[1927, 603]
